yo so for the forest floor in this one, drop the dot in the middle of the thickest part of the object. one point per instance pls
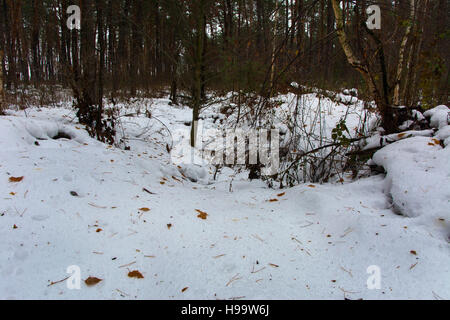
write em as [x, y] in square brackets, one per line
[78, 202]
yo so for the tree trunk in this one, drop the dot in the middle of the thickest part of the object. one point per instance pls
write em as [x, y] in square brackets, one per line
[199, 54]
[396, 99]
[2, 102]
[381, 97]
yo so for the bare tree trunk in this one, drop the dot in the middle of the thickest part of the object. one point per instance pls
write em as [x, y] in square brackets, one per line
[199, 55]
[274, 44]
[410, 91]
[1, 83]
[396, 99]
[381, 97]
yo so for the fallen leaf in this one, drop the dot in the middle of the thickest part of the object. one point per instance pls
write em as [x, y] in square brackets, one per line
[281, 194]
[169, 225]
[12, 193]
[98, 230]
[135, 274]
[144, 209]
[273, 200]
[15, 179]
[14, 227]
[413, 252]
[184, 289]
[311, 186]
[202, 214]
[92, 281]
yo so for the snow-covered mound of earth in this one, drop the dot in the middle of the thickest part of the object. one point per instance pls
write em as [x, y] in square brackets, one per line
[418, 174]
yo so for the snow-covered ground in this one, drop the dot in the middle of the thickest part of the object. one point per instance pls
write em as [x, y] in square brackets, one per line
[110, 212]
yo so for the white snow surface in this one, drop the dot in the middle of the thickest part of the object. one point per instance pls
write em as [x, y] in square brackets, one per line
[439, 116]
[82, 203]
[418, 177]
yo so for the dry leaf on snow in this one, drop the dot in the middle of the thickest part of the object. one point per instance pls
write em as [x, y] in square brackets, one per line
[92, 281]
[15, 179]
[201, 214]
[135, 274]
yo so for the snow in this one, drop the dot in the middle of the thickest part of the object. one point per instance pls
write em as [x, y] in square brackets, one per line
[81, 203]
[439, 116]
[444, 135]
[377, 140]
[418, 177]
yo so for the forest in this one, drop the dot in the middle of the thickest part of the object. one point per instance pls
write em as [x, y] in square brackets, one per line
[247, 46]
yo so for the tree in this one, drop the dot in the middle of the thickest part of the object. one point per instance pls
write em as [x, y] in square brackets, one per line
[379, 90]
[1, 83]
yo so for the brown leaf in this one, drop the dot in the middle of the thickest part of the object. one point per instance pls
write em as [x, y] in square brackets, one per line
[98, 230]
[184, 289]
[202, 214]
[135, 274]
[144, 209]
[311, 186]
[15, 179]
[413, 252]
[92, 281]
[281, 194]
[436, 141]
[169, 225]
[273, 200]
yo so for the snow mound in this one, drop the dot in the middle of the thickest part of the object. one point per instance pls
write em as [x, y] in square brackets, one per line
[26, 132]
[439, 116]
[444, 135]
[418, 177]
